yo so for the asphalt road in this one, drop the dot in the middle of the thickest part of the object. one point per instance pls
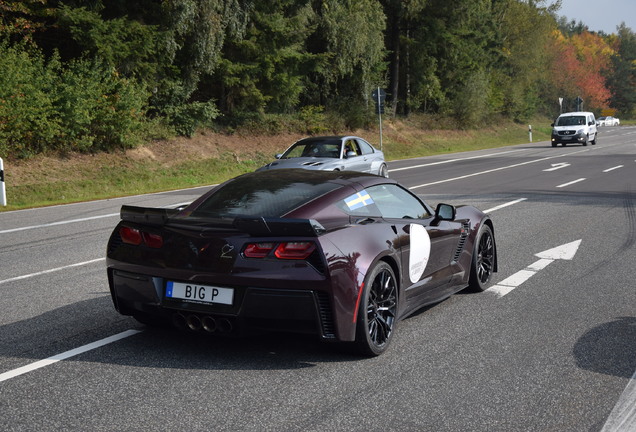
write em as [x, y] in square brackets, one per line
[552, 347]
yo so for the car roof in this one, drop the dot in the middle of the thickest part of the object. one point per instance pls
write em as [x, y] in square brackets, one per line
[575, 113]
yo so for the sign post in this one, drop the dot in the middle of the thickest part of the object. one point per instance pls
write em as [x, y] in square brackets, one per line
[379, 96]
[579, 103]
[3, 192]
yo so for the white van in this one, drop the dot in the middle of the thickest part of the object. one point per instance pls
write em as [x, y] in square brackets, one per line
[574, 127]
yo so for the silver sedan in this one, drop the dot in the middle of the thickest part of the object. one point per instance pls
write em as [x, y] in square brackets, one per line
[332, 153]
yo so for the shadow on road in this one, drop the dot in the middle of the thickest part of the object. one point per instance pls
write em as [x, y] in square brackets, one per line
[609, 349]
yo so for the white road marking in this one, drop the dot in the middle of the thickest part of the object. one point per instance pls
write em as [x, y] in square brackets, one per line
[50, 271]
[490, 210]
[571, 183]
[491, 170]
[613, 168]
[46, 225]
[623, 416]
[451, 160]
[557, 166]
[65, 355]
[564, 252]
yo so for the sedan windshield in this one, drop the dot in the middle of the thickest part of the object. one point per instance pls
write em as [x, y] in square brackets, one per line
[312, 148]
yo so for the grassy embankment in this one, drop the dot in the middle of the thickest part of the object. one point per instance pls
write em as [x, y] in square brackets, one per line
[50, 180]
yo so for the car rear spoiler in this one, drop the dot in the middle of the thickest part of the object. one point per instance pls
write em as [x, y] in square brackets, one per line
[146, 215]
[279, 227]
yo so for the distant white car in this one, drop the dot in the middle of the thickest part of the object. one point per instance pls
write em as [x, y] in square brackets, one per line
[612, 121]
[600, 121]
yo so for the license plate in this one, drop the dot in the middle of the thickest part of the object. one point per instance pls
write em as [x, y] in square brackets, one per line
[567, 137]
[199, 293]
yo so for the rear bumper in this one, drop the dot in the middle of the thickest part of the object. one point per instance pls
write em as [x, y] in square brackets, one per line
[256, 308]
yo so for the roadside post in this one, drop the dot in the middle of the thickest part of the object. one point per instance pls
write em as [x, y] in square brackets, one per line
[379, 96]
[530, 132]
[3, 192]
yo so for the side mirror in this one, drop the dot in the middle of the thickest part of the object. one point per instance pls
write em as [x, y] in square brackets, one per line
[443, 212]
[278, 156]
[351, 154]
[552, 124]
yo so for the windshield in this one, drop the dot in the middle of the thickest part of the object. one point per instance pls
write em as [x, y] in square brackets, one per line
[314, 148]
[571, 121]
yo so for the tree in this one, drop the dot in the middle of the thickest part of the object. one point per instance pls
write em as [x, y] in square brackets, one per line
[349, 41]
[622, 78]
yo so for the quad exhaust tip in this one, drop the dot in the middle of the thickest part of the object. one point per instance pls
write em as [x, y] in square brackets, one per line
[207, 323]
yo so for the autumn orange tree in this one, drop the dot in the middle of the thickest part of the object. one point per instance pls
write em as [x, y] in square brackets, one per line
[579, 64]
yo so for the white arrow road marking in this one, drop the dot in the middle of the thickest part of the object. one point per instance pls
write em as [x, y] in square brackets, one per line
[557, 166]
[563, 252]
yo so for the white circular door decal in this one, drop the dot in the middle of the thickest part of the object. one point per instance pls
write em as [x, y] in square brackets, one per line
[419, 253]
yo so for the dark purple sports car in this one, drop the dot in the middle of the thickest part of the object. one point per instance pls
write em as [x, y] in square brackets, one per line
[343, 255]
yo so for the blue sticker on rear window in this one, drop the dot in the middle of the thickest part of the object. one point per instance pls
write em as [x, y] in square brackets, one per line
[358, 200]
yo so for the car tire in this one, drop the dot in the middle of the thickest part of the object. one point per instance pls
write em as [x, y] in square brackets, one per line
[384, 171]
[483, 262]
[377, 311]
[593, 142]
[587, 138]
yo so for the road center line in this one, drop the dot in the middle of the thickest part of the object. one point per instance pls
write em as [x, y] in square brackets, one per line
[75, 220]
[451, 160]
[492, 170]
[571, 183]
[65, 355]
[50, 271]
[490, 210]
[613, 168]
[58, 223]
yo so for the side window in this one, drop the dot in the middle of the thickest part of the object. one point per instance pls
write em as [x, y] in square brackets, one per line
[365, 148]
[359, 204]
[396, 203]
[352, 146]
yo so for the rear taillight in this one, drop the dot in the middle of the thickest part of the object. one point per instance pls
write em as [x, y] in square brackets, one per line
[130, 235]
[284, 250]
[294, 250]
[153, 240]
[258, 250]
[135, 237]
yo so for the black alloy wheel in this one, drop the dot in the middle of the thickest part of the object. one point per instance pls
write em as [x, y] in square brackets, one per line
[377, 313]
[483, 260]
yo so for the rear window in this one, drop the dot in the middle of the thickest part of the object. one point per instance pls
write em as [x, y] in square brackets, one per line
[245, 197]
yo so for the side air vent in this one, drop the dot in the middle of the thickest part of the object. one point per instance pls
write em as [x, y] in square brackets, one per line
[462, 240]
[326, 316]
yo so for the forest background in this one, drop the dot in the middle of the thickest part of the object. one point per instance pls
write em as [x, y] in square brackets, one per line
[97, 75]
